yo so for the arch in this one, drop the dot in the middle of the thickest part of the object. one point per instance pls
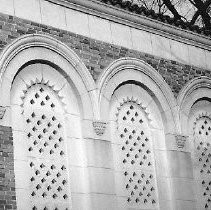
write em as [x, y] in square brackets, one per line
[127, 70]
[39, 47]
[196, 89]
[126, 82]
[34, 60]
[194, 113]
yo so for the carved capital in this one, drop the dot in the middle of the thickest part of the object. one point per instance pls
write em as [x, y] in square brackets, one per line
[2, 111]
[99, 127]
[180, 141]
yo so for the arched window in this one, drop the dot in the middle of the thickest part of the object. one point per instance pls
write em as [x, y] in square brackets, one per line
[47, 155]
[133, 138]
[136, 155]
[202, 160]
[42, 113]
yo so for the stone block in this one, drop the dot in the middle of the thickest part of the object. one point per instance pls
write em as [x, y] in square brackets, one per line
[101, 181]
[161, 163]
[121, 35]
[17, 120]
[79, 180]
[164, 189]
[100, 29]
[99, 153]
[81, 201]
[73, 126]
[158, 137]
[141, 41]
[161, 46]
[77, 22]
[103, 202]
[7, 7]
[179, 52]
[29, 10]
[53, 15]
[122, 203]
[183, 189]
[23, 199]
[197, 56]
[120, 184]
[208, 59]
[185, 205]
[165, 204]
[20, 145]
[88, 112]
[180, 164]
[20, 168]
[76, 152]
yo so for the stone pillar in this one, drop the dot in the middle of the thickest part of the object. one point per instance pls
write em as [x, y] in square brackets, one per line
[99, 165]
[180, 172]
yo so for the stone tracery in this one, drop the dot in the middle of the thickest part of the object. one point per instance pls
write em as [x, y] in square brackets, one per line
[202, 158]
[136, 149]
[46, 149]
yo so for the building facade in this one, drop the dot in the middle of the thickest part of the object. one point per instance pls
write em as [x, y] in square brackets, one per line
[102, 109]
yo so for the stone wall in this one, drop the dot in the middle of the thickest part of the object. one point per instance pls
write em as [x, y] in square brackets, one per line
[97, 55]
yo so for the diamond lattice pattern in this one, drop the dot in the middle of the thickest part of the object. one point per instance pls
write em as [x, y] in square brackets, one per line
[202, 134]
[137, 157]
[46, 150]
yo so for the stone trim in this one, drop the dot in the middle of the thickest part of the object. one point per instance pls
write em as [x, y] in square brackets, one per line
[137, 65]
[181, 141]
[124, 17]
[193, 85]
[99, 127]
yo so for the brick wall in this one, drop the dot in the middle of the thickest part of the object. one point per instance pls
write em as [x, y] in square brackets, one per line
[7, 178]
[98, 55]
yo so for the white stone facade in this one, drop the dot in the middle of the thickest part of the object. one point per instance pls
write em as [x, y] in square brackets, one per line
[123, 142]
[130, 159]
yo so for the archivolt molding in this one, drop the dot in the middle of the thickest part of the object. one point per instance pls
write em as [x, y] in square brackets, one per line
[195, 89]
[192, 86]
[132, 69]
[48, 42]
[55, 52]
[137, 65]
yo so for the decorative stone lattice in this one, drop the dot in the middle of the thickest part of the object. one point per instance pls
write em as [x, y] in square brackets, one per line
[202, 137]
[137, 159]
[46, 149]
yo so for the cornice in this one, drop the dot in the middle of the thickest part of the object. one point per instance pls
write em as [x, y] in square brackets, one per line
[118, 15]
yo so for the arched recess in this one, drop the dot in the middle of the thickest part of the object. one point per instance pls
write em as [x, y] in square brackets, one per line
[194, 90]
[45, 48]
[138, 105]
[195, 117]
[48, 92]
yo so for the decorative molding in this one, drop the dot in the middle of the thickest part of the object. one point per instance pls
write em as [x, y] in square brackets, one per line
[99, 127]
[134, 64]
[193, 85]
[18, 50]
[181, 141]
[115, 14]
[36, 81]
[2, 111]
[137, 102]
